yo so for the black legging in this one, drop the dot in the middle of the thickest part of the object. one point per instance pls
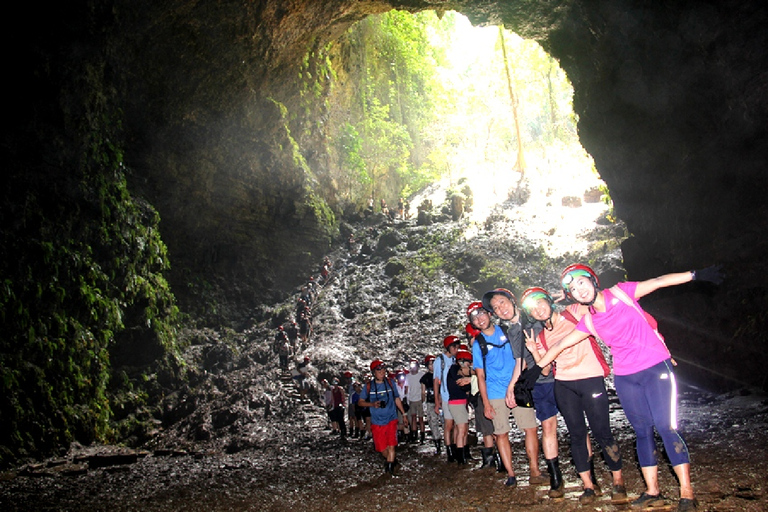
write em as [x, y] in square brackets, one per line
[575, 398]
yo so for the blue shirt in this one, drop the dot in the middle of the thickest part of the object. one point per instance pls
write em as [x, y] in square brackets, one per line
[377, 392]
[499, 363]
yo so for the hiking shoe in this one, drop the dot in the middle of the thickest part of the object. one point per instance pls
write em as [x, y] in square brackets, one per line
[587, 497]
[618, 493]
[649, 500]
[687, 504]
[538, 480]
[511, 481]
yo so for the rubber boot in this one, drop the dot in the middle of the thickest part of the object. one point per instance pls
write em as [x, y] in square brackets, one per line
[423, 435]
[598, 491]
[489, 461]
[438, 446]
[467, 454]
[556, 484]
[460, 455]
[449, 452]
[499, 464]
[414, 436]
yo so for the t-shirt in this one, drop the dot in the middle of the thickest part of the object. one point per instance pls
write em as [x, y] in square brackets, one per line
[456, 393]
[581, 361]
[429, 384]
[499, 363]
[633, 342]
[414, 386]
[381, 391]
[517, 341]
[441, 366]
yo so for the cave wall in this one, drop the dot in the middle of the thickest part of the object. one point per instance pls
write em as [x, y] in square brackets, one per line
[671, 103]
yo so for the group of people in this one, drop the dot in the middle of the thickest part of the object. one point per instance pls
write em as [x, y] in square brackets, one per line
[540, 360]
[401, 212]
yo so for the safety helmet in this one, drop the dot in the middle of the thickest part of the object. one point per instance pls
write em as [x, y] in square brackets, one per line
[464, 355]
[348, 374]
[487, 296]
[464, 346]
[531, 296]
[573, 271]
[471, 330]
[450, 340]
[280, 328]
[474, 306]
[375, 364]
[335, 381]
[428, 359]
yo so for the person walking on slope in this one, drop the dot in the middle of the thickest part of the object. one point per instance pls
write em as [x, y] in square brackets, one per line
[415, 404]
[440, 383]
[428, 399]
[642, 367]
[380, 395]
[579, 390]
[494, 367]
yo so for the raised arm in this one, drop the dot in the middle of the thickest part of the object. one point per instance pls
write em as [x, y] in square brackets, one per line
[711, 274]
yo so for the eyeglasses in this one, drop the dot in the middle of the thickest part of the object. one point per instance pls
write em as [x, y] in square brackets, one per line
[382, 368]
[477, 312]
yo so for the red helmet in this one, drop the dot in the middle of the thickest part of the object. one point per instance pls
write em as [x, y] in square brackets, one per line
[428, 359]
[280, 328]
[348, 374]
[531, 296]
[450, 340]
[471, 330]
[474, 307]
[375, 364]
[464, 346]
[487, 296]
[464, 355]
[572, 271]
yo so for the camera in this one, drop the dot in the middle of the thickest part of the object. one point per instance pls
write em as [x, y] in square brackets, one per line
[382, 404]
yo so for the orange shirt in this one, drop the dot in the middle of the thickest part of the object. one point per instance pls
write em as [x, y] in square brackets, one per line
[581, 361]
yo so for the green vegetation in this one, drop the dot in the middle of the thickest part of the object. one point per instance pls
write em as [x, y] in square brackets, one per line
[81, 274]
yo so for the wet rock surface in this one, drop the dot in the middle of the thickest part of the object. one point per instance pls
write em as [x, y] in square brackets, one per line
[237, 435]
[297, 462]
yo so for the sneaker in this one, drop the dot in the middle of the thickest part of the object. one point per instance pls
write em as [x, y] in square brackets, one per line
[587, 497]
[618, 493]
[649, 500]
[511, 481]
[538, 480]
[687, 504]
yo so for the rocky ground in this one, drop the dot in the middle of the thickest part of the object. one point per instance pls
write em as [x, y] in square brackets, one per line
[237, 435]
[306, 466]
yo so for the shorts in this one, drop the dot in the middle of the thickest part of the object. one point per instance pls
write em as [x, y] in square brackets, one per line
[482, 424]
[544, 402]
[446, 412]
[384, 435]
[501, 419]
[459, 413]
[417, 409]
[525, 417]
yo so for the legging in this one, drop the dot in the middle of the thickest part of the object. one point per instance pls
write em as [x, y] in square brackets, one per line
[575, 398]
[649, 399]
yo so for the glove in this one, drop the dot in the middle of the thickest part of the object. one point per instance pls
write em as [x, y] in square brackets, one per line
[711, 274]
[529, 378]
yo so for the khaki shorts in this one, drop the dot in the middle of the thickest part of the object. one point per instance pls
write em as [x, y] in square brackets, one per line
[501, 419]
[416, 409]
[525, 417]
[459, 412]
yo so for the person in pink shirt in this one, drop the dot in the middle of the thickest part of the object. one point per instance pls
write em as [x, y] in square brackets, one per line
[642, 367]
[579, 373]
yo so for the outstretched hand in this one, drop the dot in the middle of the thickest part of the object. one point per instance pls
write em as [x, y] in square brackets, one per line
[558, 296]
[713, 274]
